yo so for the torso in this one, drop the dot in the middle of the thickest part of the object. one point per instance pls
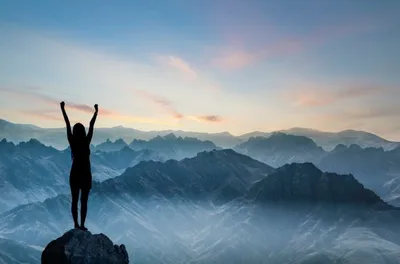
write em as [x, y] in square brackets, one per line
[80, 152]
[81, 170]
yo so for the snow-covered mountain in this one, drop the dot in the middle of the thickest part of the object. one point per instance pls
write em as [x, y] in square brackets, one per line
[207, 209]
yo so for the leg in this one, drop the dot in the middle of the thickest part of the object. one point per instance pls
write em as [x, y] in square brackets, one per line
[74, 205]
[84, 201]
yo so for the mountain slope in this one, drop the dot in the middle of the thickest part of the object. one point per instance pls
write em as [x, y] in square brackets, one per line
[31, 171]
[13, 252]
[279, 149]
[378, 169]
[195, 211]
[154, 209]
[217, 175]
[306, 183]
[172, 147]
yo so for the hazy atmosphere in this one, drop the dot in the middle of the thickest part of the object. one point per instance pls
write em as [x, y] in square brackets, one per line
[200, 132]
[207, 66]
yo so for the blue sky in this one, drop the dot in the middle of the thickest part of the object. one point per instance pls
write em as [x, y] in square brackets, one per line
[207, 66]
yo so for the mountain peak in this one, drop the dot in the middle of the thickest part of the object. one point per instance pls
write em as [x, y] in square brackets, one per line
[280, 140]
[77, 246]
[340, 147]
[170, 136]
[6, 144]
[120, 141]
[31, 143]
[304, 182]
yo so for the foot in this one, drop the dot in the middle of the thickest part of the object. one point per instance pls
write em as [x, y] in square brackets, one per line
[77, 226]
[83, 228]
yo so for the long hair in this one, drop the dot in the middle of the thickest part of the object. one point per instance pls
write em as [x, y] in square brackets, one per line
[78, 137]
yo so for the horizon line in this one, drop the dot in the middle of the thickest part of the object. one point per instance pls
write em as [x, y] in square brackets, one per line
[222, 132]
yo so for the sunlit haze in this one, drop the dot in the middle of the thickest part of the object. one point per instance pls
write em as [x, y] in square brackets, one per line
[207, 66]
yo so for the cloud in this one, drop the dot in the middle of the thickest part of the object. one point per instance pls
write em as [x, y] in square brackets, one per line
[207, 118]
[234, 59]
[316, 96]
[41, 115]
[179, 64]
[164, 103]
[235, 56]
[138, 119]
[196, 77]
[30, 94]
[34, 94]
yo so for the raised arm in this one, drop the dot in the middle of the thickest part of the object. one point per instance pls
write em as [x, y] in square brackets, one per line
[91, 127]
[69, 132]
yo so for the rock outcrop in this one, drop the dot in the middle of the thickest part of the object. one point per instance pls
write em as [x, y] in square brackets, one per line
[77, 246]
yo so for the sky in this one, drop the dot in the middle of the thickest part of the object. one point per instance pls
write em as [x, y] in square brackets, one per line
[206, 66]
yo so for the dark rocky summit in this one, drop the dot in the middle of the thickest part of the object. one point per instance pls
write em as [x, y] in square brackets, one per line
[81, 247]
[306, 183]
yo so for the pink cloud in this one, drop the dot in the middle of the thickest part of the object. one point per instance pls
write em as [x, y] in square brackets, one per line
[207, 118]
[236, 54]
[179, 64]
[234, 59]
[55, 103]
[188, 72]
[41, 115]
[164, 103]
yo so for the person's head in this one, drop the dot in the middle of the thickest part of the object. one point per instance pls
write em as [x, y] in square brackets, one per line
[78, 131]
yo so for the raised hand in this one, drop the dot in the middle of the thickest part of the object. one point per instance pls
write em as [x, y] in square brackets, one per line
[92, 121]
[62, 104]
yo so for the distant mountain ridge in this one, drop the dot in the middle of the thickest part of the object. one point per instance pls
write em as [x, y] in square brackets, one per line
[174, 147]
[56, 136]
[108, 145]
[279, 149]
[168, 146]
[329, 140]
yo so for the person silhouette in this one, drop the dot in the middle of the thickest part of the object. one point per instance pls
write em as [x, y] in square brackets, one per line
[80, 178]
